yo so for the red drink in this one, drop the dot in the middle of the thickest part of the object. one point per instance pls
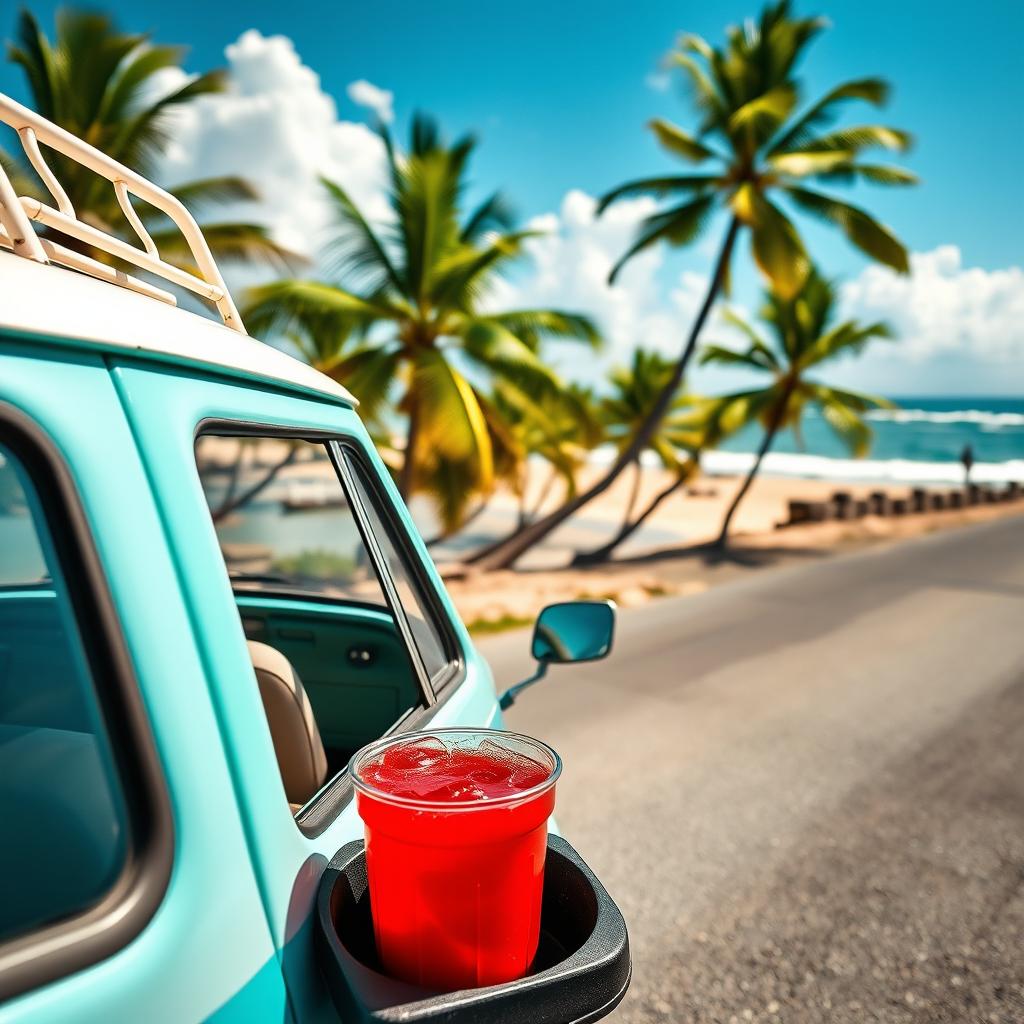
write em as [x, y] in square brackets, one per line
[456, 832]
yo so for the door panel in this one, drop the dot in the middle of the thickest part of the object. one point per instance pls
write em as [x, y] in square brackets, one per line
[351, 660]
[166, 416]
[209, 937]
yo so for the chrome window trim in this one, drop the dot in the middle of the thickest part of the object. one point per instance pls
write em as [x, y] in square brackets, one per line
[317, 815]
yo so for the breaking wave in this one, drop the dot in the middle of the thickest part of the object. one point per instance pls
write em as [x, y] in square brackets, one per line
[864, 470]
[980, 417]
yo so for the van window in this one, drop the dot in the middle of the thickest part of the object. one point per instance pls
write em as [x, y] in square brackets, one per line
[63, 813]
[326, 600]
[424, 628]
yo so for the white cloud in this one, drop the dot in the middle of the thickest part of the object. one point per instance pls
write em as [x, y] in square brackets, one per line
[944, 308]
[380, 101]
[277, 126]
[658, 81]
[569, 267]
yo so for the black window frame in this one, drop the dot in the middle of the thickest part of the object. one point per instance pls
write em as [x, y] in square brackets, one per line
[47, 953]
[316, 816]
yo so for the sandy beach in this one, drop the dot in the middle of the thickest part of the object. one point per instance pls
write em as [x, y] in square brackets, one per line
[668, 556]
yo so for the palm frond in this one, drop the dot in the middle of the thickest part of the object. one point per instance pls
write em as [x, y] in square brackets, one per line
[678, 226]
[356, 249]
[498, 350]
[706, 96]
[848, 337]
[230, 242]
[842, 416]
[457, 278]
[679, 143]
[226, 188]
[452, 421]
[311, 306]
[754, 358]
[877, 174]
[671, 185]
[532, 326]
[871, 90]
[760, 116]
[777, 247]
[860, 227]
[33, 53]
[741, 324]
[124, 86]
[369, 373]
[493, 214]
[856, 138]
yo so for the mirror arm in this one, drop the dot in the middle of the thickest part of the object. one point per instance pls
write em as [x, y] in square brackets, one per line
[508, 698]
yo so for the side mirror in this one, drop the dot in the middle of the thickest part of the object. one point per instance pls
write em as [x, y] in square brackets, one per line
[570, 631]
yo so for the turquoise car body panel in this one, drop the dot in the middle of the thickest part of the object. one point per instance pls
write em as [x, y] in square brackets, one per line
[232, 939]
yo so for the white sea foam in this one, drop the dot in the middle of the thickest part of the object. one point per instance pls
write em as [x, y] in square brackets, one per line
[980, 417]
[864, 470]
[821, 467]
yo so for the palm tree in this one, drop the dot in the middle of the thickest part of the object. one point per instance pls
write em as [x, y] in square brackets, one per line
[406, 311]
[101, 85]
[802, 336]
[752, 145]
[558, 428]
[676, 443]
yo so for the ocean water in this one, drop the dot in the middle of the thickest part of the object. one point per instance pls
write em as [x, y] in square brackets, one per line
[921, 441]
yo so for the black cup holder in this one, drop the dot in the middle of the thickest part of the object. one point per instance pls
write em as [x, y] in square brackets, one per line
[581, 972]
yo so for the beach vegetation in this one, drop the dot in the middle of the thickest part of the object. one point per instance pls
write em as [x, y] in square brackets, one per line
[757, 151]
[800, 335]
[402, 319]
[109, 88]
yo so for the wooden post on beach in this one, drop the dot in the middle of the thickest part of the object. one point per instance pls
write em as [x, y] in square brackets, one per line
[956, 499]
[919, 499]
[881, 503]
[842, 502]
[900, 506]
[1013, 490]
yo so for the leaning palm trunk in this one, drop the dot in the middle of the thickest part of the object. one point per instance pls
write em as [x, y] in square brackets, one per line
[771, 430]
[232, 503]
[440, 538]
[545, 493]
[506, 552]
[605, 552]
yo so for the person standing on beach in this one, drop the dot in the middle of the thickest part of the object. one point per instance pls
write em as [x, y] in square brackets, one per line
[967, 458]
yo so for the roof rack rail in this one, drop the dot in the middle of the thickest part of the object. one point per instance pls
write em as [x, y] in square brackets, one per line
[18, 212]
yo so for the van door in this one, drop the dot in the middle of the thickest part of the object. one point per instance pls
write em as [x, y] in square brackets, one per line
[127, 890]
[321, 623]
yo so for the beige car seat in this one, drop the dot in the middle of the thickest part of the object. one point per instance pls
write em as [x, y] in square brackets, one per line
[297, 742]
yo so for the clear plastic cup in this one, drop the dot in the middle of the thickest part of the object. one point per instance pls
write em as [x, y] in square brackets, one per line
[456, 873]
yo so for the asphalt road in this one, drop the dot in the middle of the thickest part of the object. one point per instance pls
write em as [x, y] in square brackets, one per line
[805, 789]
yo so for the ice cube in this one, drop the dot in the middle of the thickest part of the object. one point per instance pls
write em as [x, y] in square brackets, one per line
[419, 755]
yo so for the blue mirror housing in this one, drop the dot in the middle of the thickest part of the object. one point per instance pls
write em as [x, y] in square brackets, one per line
[574, 631]
[571, 631]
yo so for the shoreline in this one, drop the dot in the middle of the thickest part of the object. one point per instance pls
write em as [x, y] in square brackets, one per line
[671, 555]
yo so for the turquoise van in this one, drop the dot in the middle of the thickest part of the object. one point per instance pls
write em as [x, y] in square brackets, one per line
[211, 595]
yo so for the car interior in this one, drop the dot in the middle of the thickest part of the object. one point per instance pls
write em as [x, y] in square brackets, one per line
[329, 658]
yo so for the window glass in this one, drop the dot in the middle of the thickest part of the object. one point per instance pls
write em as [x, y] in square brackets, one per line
[64, 821]
[21, 558]
[424, 630]
[309, 588]
[283, 519]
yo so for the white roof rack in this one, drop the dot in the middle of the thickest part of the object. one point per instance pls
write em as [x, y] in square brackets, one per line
[18, 212]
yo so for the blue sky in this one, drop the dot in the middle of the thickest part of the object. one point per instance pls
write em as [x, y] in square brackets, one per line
[559, 94]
